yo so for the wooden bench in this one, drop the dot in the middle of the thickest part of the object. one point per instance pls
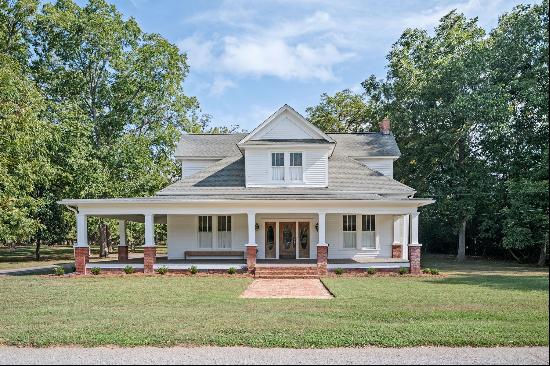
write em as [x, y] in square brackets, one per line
[213, 253]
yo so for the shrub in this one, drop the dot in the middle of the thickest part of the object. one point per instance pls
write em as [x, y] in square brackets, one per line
[162, 270]
[339, 271]
[426, 270]
[434, 271]
[231, 270]
[58, 270]
[371, 271]
[128, 269]
[193, 270]
[95, 270]
[403, 271]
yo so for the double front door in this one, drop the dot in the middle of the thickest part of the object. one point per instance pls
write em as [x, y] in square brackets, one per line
[292, 239]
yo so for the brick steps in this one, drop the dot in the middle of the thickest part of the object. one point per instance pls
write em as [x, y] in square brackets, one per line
[286, 272]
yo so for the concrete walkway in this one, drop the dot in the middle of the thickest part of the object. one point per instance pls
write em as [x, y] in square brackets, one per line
[245, 355]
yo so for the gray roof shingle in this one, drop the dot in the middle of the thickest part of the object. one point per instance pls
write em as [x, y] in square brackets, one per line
[365, 144]
[209, 145]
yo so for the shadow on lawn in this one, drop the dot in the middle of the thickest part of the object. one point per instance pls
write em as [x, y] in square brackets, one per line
[499, 282]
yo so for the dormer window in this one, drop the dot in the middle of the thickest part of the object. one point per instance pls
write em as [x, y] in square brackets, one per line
[296, 174]
[278, 167]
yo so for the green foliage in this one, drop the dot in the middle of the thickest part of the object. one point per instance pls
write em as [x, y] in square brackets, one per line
[339, 271]
[470, 113]
[232, 270]
[193, 270]
[434, 271]
[128, 269]
[371, 271]
[162, 270]
[58, 270]
[95, 271]
[426, 270]
[402, 271]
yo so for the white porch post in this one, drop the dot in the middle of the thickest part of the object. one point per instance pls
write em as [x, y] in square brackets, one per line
[122, 245]
[149, 249]
[414, 228]
[81, 249]
[405, 237]
[322, 230]
[396, 248]
[322, 247]
[149, 230]
[251, 247]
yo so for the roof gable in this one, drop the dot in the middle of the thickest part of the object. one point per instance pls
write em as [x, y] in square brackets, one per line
[285, 124]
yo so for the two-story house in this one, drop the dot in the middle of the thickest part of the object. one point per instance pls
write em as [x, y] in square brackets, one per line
[285, 193]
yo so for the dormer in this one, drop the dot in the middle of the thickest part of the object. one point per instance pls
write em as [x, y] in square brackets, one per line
[286, 150]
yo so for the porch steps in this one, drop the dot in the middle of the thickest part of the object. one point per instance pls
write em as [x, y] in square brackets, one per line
[286, 272]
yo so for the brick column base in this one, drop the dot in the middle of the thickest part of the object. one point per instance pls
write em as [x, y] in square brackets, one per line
[396, 251]
[322, 259]
[149, 257]
[122, 253]
[251, 253]
[414, 258]
[81, 257]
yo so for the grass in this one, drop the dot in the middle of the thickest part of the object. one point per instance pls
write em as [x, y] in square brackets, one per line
[462, 308]
[23, 256]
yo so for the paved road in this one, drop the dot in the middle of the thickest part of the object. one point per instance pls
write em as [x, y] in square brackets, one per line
[244, 355]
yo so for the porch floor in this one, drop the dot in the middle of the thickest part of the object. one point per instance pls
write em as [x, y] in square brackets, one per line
[224, 264]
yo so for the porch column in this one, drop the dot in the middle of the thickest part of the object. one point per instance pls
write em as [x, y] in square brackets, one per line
[149, 249]
[122, 245]
[251, 246]
[322, 246]
[414, 246]
[396, 248]
[405, 237]
[81, 249]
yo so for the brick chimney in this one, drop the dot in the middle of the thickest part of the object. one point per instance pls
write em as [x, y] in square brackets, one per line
[385, 127]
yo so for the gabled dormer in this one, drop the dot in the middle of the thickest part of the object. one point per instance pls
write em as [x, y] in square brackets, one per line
[286, 150]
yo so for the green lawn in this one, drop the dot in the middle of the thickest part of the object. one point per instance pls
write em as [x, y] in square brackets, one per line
[464, 308]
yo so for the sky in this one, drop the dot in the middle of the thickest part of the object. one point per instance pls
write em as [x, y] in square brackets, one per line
[248, 58]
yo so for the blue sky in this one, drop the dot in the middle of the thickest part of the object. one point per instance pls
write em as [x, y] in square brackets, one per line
[248, 58]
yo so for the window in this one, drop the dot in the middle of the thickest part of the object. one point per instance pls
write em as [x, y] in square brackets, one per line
[224, 231]
[278, 166]
[350, 231]
[205, 231]
[369, 231]
[296, 167]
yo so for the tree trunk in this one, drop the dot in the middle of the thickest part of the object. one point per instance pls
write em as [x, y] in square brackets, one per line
[37, 250]
[103, 250]
[462, 242]
[542, 255]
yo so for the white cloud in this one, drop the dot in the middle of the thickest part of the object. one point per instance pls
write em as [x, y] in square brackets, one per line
[199, 52]
[220, 85]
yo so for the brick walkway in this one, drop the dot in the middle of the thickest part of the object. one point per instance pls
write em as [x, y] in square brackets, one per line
[286, 288]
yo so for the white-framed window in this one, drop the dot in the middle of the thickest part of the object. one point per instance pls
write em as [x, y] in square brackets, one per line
[368, 231]
[349, 226]
[224, 231]
[205, 231]
[278, 167]
[295, 170]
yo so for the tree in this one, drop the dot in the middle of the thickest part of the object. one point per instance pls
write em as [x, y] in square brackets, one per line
[117, 91]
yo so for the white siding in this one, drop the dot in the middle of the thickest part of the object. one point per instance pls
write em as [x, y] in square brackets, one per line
[284, 128]
[258, 167]
[192, 166]
[382, 165]
[335, 238]
[183, 234]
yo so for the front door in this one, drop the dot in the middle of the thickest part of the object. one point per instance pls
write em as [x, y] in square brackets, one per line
[287, 240]
[270, 245]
